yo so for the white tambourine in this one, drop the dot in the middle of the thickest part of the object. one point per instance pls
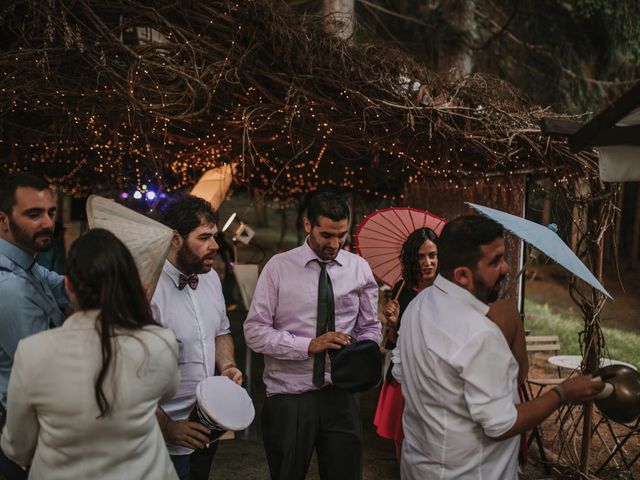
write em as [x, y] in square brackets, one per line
[222, 405]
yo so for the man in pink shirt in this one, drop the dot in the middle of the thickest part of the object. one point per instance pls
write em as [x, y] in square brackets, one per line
[303, 411]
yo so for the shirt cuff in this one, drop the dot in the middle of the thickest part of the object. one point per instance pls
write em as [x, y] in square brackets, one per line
[501, 416]
[301, 347]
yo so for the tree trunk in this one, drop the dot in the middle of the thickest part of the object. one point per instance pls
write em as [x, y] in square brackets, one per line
[455, 55]
[261, 213]
[546, 203]
[283, 227]
[340, 17]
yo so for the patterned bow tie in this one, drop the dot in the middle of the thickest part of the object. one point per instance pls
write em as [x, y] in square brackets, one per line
[191, 280]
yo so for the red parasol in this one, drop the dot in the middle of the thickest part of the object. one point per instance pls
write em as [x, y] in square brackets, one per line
[380, 236]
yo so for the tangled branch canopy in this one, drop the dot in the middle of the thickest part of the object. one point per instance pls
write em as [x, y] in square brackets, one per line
[119, 93]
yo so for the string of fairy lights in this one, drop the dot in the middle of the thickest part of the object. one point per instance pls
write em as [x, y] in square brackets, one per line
[132, 127]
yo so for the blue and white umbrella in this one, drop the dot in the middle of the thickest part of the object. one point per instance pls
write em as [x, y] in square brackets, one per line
[544, 239]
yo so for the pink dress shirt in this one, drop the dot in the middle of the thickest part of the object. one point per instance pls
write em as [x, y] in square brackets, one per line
[282, 319]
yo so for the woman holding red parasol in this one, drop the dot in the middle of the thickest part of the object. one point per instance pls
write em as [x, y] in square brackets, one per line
[396, 243]
[419, 259]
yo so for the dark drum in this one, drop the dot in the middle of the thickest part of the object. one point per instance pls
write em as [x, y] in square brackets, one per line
[222, 406]
[198, 416]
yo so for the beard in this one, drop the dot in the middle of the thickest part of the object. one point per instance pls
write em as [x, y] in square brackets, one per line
[40, 241]
[328, 253]
[325, 253]
[189, 263]
[487, 293]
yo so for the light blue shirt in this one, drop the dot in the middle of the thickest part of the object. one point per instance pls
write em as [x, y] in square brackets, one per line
[32, 299]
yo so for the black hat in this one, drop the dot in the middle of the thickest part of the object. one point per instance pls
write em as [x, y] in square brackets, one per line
[356, 367]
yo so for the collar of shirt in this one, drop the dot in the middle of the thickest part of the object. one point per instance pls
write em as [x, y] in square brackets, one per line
[461, 294]
[308, 255]
[16, 254]
[173, 272]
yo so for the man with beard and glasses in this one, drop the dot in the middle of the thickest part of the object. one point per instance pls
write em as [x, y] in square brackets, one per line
[32, 298]
[303, 411]
[462, 416]
[188, 300]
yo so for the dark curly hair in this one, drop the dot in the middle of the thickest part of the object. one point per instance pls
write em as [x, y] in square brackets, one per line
[10, 184]
[409, 257]
[327, 204]
[460, 241]
[187, 213]
[104, 276]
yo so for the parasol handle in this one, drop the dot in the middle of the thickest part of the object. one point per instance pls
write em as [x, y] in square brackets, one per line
[399, 290]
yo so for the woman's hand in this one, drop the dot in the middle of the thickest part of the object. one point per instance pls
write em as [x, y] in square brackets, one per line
[391, 312]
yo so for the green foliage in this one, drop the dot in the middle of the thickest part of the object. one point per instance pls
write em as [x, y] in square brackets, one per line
[575, 55]
[541, 320]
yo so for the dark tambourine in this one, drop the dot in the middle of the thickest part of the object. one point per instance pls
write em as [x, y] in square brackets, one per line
[623, 404]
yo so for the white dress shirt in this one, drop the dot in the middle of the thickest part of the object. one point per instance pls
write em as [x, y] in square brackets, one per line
[196, 318]
[459, 383]
[53, 423]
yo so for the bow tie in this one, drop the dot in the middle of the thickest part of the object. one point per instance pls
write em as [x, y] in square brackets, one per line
[191, 280]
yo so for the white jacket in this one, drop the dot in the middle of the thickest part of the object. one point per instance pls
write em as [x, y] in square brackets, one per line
[52, 413]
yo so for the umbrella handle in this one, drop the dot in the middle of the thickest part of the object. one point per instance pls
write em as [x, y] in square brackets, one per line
[399, 290]
[510, 285]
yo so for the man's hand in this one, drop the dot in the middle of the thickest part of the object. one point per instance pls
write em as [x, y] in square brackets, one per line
[580, 388]
[186, 434]
[329, 341]
[233, 373]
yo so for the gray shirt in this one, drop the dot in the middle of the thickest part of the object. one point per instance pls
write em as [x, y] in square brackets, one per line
[32, 299]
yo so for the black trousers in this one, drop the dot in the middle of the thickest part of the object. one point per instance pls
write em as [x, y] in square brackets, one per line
[8, 469]
[197, 465]
[326, 420]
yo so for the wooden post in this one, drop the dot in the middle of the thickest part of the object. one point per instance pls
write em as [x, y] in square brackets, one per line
[635, 235]
[574, 227]
[587, 421]
[617, 235]
[592, 347]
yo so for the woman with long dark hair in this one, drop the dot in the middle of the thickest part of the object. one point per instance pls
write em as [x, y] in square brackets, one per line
[419, 259]
[82, 397]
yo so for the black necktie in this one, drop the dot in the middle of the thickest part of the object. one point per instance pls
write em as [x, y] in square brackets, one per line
[191, 280]
[326, 321]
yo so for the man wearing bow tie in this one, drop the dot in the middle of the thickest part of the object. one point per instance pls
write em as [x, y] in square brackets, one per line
[188, 300]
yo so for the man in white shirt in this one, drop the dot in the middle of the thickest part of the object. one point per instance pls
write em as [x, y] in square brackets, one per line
[188, 300]
[462, 416]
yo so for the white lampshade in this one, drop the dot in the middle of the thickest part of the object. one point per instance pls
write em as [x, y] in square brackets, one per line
[214, 184]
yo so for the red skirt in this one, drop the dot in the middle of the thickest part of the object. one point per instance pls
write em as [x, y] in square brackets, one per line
[388, 418]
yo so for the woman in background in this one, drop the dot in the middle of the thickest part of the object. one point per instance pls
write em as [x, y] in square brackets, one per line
[82, 397]
[419, 259]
